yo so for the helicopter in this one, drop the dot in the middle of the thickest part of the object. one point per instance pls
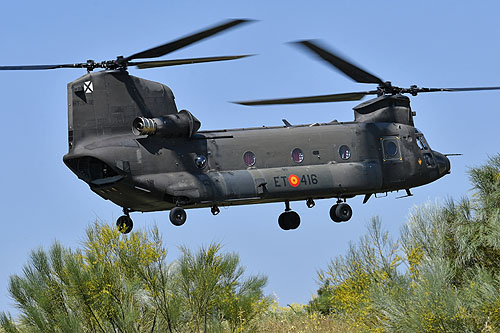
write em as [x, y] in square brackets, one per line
[129, 142]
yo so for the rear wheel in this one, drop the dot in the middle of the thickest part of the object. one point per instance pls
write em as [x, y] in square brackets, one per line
[124, 224]
[178, 216]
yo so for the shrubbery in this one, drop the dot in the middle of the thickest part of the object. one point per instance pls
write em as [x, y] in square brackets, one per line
[123, 283]
[443, 273]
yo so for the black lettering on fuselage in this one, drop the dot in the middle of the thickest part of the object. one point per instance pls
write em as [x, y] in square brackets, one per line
[276, 182]
[308, 179]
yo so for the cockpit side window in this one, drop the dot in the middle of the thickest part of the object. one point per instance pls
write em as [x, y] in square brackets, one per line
[424, 147]
[421, 142]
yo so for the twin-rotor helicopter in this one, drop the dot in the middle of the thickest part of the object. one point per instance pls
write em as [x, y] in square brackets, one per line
[129, 142]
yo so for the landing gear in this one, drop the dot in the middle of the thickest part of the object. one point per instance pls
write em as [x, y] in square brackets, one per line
[340, 212]
[178, 216]
[310, 203]
[124, 222]
[215, 210]
[288, 220]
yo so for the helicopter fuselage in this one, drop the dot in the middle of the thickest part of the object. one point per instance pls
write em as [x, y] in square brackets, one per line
[381, 151]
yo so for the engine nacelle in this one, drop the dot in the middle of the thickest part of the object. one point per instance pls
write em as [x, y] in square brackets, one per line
[182, 124]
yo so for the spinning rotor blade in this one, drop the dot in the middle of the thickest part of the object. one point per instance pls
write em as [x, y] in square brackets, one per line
[358, 75]
[355, 96]
[354, 72]
[40, 67]
[420, 90]
[121, 63]
[175, 62]
[161, 50]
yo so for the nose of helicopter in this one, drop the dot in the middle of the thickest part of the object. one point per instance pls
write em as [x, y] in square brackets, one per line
[443, 163]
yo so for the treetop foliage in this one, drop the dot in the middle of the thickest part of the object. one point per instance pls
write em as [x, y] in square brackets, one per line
[123, 283]
[442, 273]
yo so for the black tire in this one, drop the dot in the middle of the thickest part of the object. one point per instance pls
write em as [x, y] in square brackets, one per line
[343, 212]
[282, 221]
[293, 220]
[178, 216]
[124, 224]
[333, 214]
[289, 220]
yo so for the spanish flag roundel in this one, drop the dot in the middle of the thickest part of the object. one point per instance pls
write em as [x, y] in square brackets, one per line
[294, 180]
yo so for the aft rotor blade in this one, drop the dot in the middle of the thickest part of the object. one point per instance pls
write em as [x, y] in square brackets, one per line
[185, 41]
[175, 62]
[456, 89]
[40, 67]
[311, 99]
[349, 69]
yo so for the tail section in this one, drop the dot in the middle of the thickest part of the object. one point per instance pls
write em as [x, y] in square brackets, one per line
[105, 103]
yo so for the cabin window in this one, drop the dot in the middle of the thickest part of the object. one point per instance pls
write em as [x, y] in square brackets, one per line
[249, 158]
[344, 152]
[297, 155]
[390, 148]
[200, 161]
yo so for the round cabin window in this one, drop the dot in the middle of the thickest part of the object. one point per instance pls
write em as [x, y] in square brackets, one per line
[200, 161]
[249, 158]
[344, 152]
[297, 155]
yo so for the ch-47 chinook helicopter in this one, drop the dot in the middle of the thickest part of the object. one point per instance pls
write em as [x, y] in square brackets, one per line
[131, 145]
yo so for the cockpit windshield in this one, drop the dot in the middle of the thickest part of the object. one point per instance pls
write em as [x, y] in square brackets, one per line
[421, 142]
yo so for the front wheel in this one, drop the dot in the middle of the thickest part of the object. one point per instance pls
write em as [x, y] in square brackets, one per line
[344, 212]
[333, 214]
[289, 220]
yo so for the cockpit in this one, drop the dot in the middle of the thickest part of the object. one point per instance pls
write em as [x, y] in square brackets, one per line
[421, 142]
[424, 147]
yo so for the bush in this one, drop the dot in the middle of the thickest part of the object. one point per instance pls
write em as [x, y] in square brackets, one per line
[441, 275]
[123, 283]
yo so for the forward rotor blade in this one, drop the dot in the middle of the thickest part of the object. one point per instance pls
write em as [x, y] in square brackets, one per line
[40, 67]
[456, 89]
[185, 41]
[175, 62]
[355, 96]
[354, 72]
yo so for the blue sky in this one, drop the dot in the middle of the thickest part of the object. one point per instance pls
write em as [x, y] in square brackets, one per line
[428, 43]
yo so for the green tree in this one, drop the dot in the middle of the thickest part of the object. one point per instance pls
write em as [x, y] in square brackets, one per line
[122, 283]
[347, 286]
[452, 278]
[214, 291]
